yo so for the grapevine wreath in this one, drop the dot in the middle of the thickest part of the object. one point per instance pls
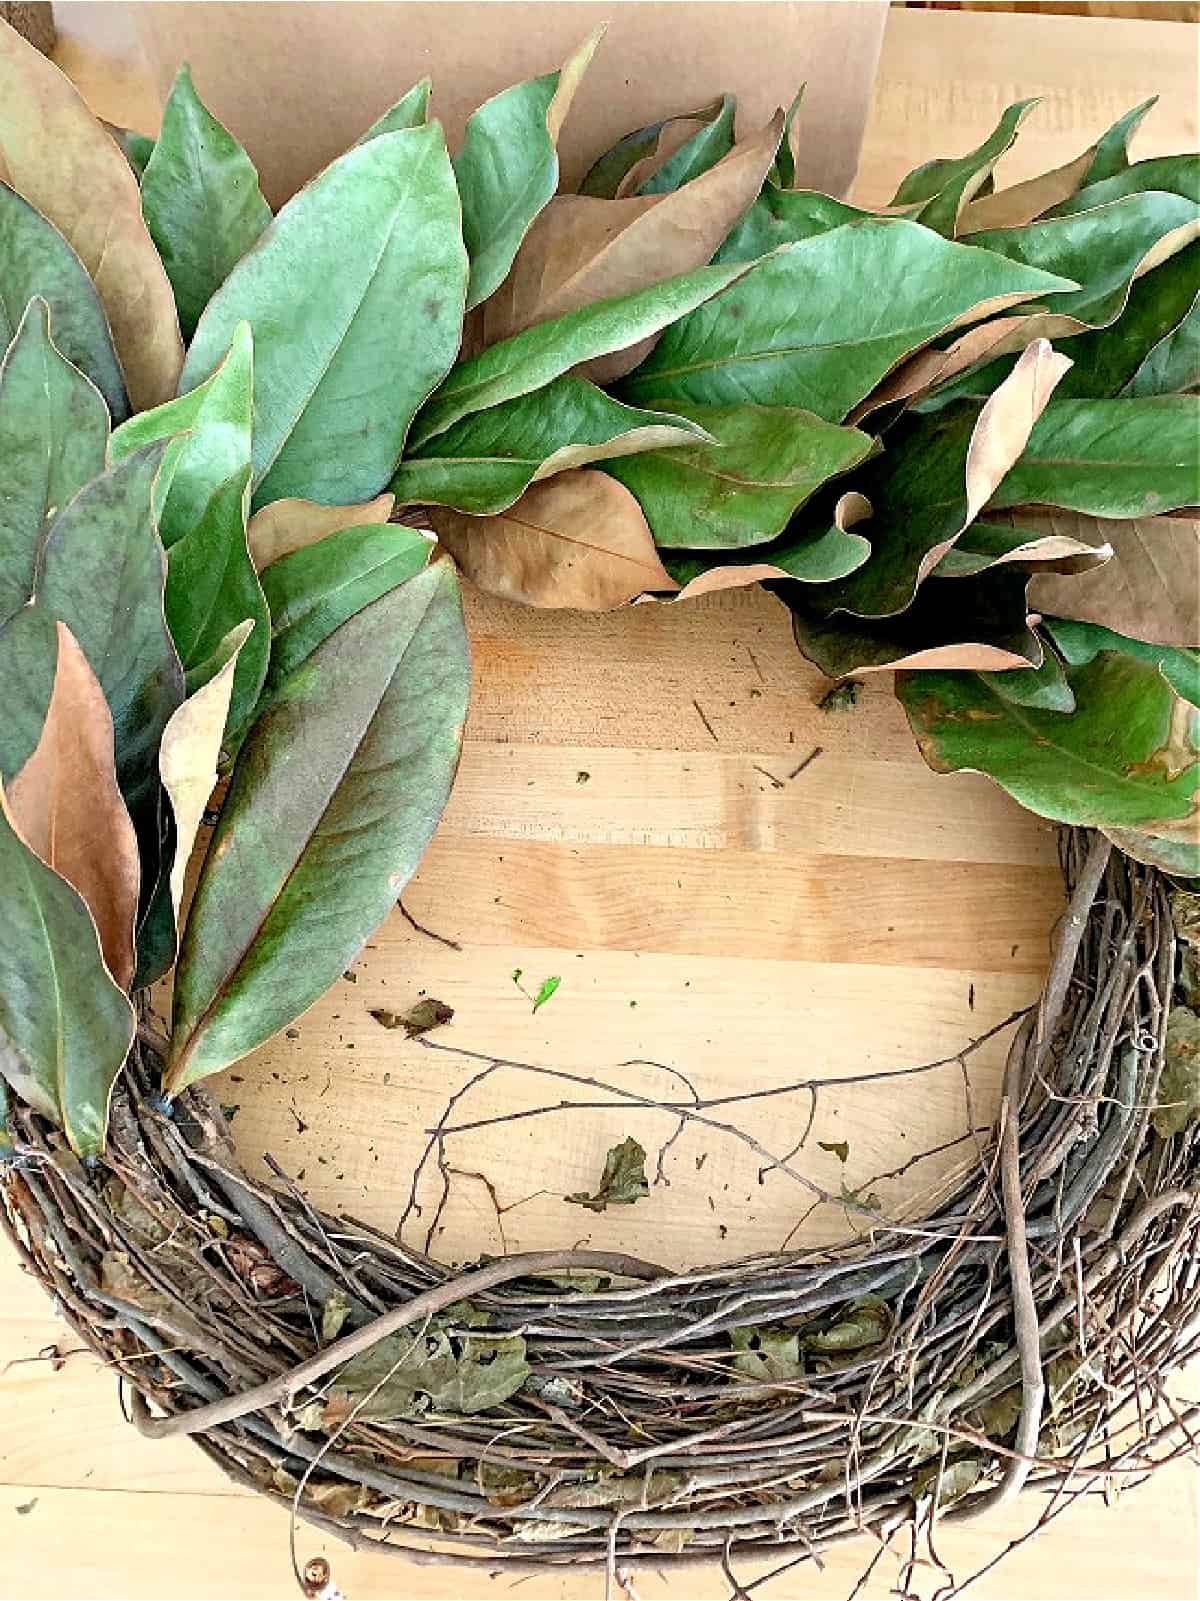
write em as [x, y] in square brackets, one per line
[956, 438]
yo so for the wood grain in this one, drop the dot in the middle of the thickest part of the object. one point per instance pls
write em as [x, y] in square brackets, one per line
[625, 819]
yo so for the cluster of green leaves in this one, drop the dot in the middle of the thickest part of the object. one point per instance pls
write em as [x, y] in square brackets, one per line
[688, 376]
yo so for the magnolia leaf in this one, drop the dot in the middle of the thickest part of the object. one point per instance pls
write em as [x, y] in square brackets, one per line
[1110, 458]
[868, 1323]
[1179, 1086]
[765, 463]
[1103, 250]
[190, 752]
[332, 802]
[211, 588]
[137, 148]
[642, 153]
[622, 1182]
[1023, 202]
[1079, 643]
[766, 1355]
[65, 1026]
[931, 368]
[934, 482]
[807, 327]
[810, 557]
[1171, 854]
[1175, 175]
[578, 540]
[948, 1482]
[532, 359]
[315, 590]
[410, 111]
[1150, 590]
[407, 1374]
[1172, 366]
[35, 260]
[582, 250]
[981, 624]
[1044, 687]
[1033, 542]
[507, 169]
[66, 806]
[1160, 310]
[55, 154]
[485, 462]
[1126, 758]
[6, 1136]
[53, 434]
[200, 199]
[102, 574]
[374, 236]
[28, 663]
[663, 174]
[783, 173]
[957, 181]
[209, 433]
[290, 525]
[788, 216]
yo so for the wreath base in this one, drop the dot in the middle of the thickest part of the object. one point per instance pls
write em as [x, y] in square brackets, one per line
[1021, 1335]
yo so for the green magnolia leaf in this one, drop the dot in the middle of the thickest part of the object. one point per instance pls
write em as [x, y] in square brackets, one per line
[807, 327]
[1172, 366]
[1110, 458]
[200, 199]
[946, 186]
[868, 1322]
[209, 430]
[623, 1180]
[783, 172]
[1081, 642]
[35, 259]
[410, 111]
[1179, 1086]
[315, 590]
[1126, 758]
[211, 588]
[766, 462]
[507, 168]
[1176, 175]
[65, 1026]
[1111, 150]
[1102, 249]
[137, 148]
[532, 359]
[371, 240]
[53, 434]
[1171, 853]
[333, 799]
[712, 141]
[488, 460]
[28, 662]
[810, 557]
[980, 623]
[1109, 360]
[102, 574]
[785, 217]
[411, 1373]
[6, 1136]
[933, 480]
[1045, 688]
[1026, 543]
[766, 1355]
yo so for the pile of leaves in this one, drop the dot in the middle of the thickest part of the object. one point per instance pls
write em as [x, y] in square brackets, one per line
[220, 431]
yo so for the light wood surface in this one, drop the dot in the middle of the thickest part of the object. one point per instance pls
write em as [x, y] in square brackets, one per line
[625, 818]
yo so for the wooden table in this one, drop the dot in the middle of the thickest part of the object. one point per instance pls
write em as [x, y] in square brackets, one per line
[629, 816]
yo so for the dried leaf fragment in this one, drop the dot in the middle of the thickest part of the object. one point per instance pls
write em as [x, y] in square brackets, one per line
[622, 1182]
[419, 1019]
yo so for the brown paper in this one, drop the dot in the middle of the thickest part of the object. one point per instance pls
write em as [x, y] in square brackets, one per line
[299, 82]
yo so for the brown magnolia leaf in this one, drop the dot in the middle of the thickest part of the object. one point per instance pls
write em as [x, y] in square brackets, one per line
[67, 807]
[56, 155]
[578, 540]
[189, 753]
[1151, 588]
[1022, 202]
[583, 249]
[287, 525]
[1007, 420]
